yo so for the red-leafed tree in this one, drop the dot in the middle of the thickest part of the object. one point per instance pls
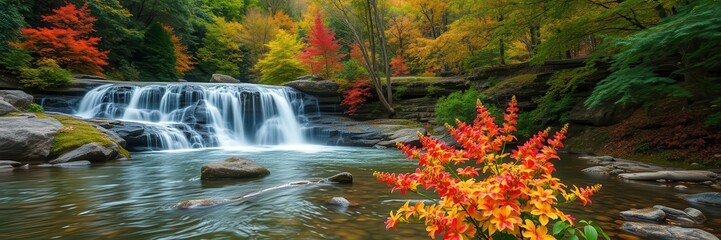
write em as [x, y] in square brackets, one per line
[321, 54]
[353, 97]
[68, 40]
[398, 64]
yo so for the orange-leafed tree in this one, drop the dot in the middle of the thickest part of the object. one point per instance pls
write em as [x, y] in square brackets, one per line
[321, 54]
[68, 40]
[398, 64]
[183, 61]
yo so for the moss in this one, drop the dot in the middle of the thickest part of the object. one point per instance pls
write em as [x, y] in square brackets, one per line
[511, 85]
[76, 133]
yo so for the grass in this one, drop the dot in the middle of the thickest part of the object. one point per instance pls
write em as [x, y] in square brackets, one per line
[76, 133]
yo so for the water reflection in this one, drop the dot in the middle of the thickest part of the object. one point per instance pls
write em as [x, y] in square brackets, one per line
[134, 199]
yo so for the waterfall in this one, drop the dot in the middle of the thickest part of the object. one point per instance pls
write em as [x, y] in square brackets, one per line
[195, 115]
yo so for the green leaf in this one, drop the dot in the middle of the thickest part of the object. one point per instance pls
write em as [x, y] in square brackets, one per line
[600, 230]
[590, 233]
[573, 237]
[559, 227]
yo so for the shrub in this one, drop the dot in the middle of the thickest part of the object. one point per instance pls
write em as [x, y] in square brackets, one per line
[399, 91]
[352, 71]
[356, 95]
[458, 105]
[34, 108]
[14, 60]
[502, 196]
[47, 74]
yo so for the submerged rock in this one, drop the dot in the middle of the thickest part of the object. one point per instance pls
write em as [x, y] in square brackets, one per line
[648, 214]
[665, 232]
[344, 177]
[93, 152]
[27, 140]
[72, 164]
[234, 167]
[684, 176]
[341, 202]
[713, 198]
[599, 170]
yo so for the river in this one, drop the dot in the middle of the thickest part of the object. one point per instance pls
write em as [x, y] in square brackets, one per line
[135, 199]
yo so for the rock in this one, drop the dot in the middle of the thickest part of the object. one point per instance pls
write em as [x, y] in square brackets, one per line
[311, 77]
[6, 108]
[713, 198]
[695, 215]
[649, 214]
[93, 152]
[318, 88]
[10, 163]
[405, 136]
[665, 232]
[72, 164]
[344, 177]
[220, 78]
[680, 187]
[615, 172]
[234, 167]
[600, 170]
[200, 203]
[605, 114]
[17, 98]
[685, 176]
[27, 140]
[340, 202]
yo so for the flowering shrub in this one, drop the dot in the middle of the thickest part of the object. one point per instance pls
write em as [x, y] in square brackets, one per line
[503, 195]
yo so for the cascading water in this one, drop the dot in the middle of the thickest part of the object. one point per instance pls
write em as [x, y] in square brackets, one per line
[180, 116]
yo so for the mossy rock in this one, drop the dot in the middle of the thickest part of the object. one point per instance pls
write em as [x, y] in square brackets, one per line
[76, 133]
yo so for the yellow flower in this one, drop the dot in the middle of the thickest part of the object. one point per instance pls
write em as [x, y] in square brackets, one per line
[535, 233]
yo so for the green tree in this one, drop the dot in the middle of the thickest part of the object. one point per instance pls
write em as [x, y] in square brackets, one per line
[156, 60]
[11, 21]
[223, 50]
[231, 10]
[280, 64]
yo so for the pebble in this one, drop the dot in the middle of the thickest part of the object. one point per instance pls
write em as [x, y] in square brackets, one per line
[680, 187]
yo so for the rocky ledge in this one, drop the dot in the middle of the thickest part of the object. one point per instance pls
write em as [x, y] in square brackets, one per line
[380, 133]
[633, 170]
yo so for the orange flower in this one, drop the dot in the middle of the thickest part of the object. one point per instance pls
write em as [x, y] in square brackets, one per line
[505, 218]
[392, 221]
[536, 233]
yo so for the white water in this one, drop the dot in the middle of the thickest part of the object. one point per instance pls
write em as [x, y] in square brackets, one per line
[184, 116]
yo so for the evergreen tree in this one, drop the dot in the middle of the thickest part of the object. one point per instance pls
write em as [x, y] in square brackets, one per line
[279, 65]
[156, 59]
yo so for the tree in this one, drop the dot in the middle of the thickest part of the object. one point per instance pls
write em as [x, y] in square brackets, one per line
[401, 32]
[157, 60]
[321, 54]
[280, 64]
[398, 64]
[231, 10]
[223, 50]
[257, 30]
[68, 40]
[11, 21]
[183, 61]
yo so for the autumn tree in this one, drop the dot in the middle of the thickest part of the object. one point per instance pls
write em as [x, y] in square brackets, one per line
[321, 54]
[257, 30]
[280, 64]
[401, 31]
[398, 64]
[223, 50]
[67, 40]
[183, 61]
[157, 60]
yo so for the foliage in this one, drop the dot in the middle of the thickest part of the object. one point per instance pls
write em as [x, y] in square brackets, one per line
[11, 20]
[321, 54]
[76, 133]
[681, 42]
[352, 71]
[13, 59]
[509, 85]
[157, 58]
[279, 64]
[357, 94]
[183, 62]
[458, 105]
[257, 29]
[47, 75]
[222, 50]
[556, 104]
[502, 196]
[68, 40]
[33, 108]
[398, 64]
[399, 91]
[230, 10]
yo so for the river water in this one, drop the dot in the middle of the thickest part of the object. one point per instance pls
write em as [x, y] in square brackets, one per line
[134, 199]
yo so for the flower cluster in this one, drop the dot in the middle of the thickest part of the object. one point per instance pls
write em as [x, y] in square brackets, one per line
[482, 190]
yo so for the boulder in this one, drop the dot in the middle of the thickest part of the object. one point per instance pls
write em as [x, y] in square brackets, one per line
[689, 215]
[695, 215]
[341, 202]
[712, 198]
[605, 114]
[683, 176]
[597, 170]
[665, 232]
[648, 214]
[318, 88]
[10, 163]
[93, 152]
[405, 136]
[344, 177]
[6, 108]
[17, 98]
[220, 78]
[234, 167]
[27, 140]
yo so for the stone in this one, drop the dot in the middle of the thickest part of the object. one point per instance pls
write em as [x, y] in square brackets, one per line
[17, 98]
[311, 77]
[405, 136]
[605, 114]
[695, 215]
[340, 202]
[677, 216]
[598, 170]
[93, 152]
[712, 198]
[615, 172]
[27, 140]
[318, 88]
[220, 78]
[10, 163]
[72, 164]
[6, 108]
[680, 187]
[665, 232]
[681, 175]
[649, 214]
[234, 167]
[344, 177]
